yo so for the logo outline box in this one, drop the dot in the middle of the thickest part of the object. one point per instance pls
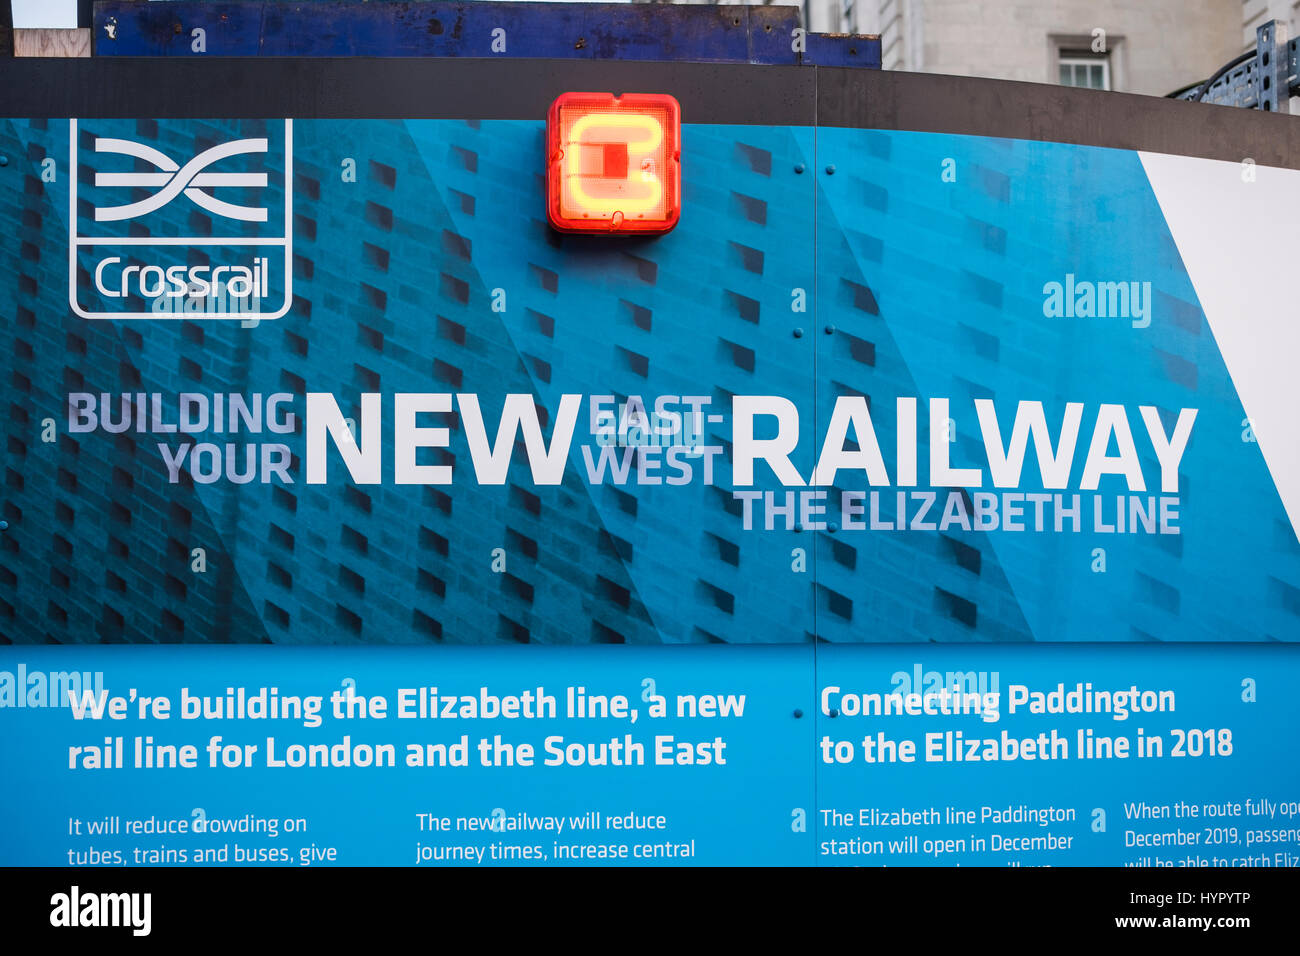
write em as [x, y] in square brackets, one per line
[77, 242]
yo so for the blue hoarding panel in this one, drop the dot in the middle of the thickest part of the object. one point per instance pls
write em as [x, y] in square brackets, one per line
[940, 489]
[583, 31]
[837, 49]
[434, 269]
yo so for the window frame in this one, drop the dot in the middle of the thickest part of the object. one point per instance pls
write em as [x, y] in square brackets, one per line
[1075, 60]
[1071, 46]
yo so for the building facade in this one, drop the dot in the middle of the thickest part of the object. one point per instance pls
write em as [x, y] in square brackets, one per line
[1255, 13]
[1153, 47]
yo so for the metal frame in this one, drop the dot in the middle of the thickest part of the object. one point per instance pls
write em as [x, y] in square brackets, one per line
[1265, 82]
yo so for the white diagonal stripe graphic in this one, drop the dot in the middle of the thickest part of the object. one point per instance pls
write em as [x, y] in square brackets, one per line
[1211, 210]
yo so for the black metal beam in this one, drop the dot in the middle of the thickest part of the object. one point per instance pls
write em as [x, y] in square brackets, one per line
[709, 93]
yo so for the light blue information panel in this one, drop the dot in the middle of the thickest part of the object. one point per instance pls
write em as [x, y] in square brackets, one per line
[861, 755]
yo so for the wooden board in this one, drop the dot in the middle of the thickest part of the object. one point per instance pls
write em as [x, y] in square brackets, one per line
[52, 42]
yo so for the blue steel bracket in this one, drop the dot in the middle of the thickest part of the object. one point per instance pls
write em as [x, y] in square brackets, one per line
[1276, 58]
[1266, 81]
[569, 31]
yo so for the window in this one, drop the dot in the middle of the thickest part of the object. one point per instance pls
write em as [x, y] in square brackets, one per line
[1089, 71]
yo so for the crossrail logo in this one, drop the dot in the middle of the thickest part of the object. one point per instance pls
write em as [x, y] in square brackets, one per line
[210, 237]
[173, 180]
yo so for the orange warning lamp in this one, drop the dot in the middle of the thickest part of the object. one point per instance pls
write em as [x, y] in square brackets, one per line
[613, 163]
